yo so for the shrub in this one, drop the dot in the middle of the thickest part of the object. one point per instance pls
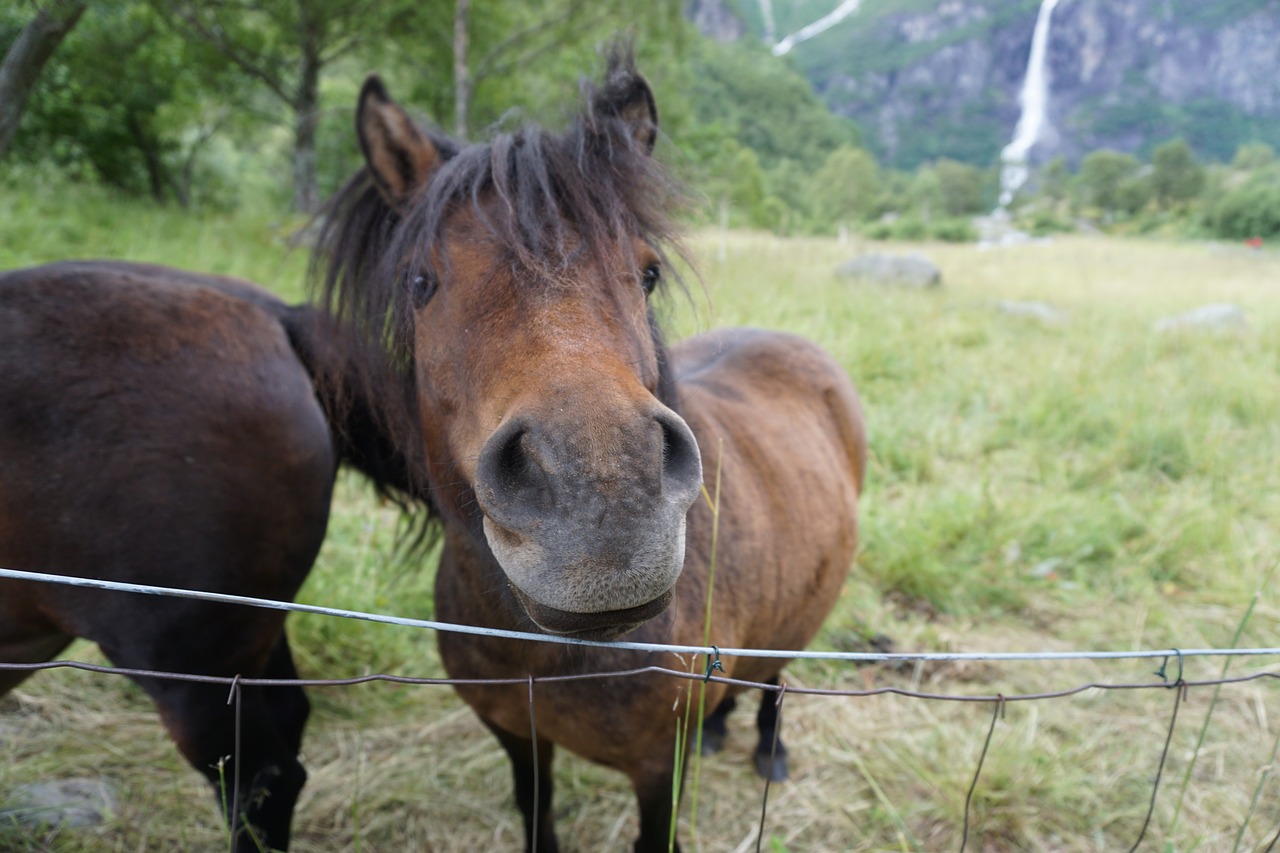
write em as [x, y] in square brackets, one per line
[953, 230]
[1253, 210]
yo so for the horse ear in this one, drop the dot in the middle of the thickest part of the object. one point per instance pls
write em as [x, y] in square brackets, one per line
[627, 95]
[400, 156]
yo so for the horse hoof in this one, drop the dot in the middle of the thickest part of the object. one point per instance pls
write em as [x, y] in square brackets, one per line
[772, 768]
[712, 742]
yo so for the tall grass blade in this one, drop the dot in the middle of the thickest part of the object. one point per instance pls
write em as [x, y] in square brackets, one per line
[1208, 714]
[714, 503]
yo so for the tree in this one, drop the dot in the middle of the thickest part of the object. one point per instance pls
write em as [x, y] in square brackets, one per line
[924, 193]
[1253, 155]
[1101, 174]
[961, 187]
[130, 103]
[26, 58]
[1251, 210]
[493, 45]
[285, 46]
[847, 187]
[1176, 177]
[1055, 177]
[1134, 193]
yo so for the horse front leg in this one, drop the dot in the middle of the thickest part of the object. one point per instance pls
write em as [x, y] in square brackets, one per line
[533, 792]
[654, 786]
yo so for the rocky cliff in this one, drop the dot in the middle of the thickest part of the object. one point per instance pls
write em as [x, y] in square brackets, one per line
[934, 79]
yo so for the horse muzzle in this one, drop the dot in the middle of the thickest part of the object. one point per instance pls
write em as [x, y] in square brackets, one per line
[588, 523]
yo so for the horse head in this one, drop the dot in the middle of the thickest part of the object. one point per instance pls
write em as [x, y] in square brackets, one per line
[524, 267]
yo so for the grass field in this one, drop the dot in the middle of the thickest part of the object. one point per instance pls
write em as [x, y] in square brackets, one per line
[1088, 484]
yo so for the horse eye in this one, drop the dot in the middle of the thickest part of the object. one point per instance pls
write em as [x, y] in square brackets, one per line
[650, 277]
[421, 288]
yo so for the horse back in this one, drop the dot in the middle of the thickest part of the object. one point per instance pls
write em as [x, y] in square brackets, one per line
[781, 422]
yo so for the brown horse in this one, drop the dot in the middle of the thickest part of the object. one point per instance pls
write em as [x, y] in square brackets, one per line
[161, 427]
[566, 445]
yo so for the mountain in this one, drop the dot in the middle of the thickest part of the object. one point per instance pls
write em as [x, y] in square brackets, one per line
[941, 78]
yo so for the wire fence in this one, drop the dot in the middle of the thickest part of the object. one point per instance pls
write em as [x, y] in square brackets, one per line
[1174, 682]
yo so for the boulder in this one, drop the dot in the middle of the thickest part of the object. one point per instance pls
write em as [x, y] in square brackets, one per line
[65, 802]
[1042, 311]
[1223, 316]
[910, 270]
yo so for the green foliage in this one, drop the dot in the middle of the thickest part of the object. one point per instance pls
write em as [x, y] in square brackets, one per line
[954, 229]
[847, 187]
[137, 101]
[962, 188]
[1252, 210]
[1211, 127]
[126, 102]
[1134, 193]
[911, 228]
[1101, 175]
[1055, 179]
[741, 91]
[1044, 220]
[1176, 177]
[1253, 155]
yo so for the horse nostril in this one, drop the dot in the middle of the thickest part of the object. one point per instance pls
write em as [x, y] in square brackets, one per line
[510, 462]
[681, 461]
[510, 478]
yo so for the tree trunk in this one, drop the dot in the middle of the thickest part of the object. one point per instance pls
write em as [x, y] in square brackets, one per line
[27, 57]
[156, 172]
[461, 70]
[306, 107]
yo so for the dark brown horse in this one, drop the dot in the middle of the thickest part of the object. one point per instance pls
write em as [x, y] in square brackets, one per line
[566, 445]
[161, 427]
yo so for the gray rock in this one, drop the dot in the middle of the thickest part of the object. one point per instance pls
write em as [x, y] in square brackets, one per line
[911, 270]
[70, 803]
[1223, 316]
[1042, 311]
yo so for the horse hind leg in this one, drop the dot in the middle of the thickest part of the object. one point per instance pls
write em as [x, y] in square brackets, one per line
[203, 725]
[770, 763]
[523, 767]
[289, 706]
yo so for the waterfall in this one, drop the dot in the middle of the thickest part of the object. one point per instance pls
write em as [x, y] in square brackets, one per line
[766, 14]
[826, 22]
[1033, 99]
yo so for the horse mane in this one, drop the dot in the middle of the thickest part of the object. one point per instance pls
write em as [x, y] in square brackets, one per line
[589, 189]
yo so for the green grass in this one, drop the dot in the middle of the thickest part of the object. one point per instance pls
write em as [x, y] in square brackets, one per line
[1085, 485]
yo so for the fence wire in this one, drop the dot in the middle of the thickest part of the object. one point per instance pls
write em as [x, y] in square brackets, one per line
[716, 651]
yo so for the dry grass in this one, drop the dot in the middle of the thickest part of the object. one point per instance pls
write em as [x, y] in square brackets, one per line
[1142, 464]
